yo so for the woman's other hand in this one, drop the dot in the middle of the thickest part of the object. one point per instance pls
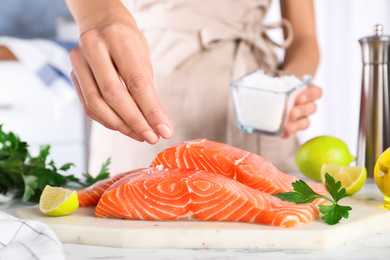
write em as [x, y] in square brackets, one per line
[298, 117]
[112, 72]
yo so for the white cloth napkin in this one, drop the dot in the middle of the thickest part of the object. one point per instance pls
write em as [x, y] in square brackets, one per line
[27, 239]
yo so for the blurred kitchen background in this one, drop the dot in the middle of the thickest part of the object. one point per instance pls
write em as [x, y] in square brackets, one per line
[44, 109]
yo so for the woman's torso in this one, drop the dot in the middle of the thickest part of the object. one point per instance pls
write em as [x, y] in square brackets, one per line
[197, 47]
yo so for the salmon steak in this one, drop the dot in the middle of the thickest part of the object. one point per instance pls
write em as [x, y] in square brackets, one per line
[90, 196]
[202, 180]
[245, 167]
[159, 193]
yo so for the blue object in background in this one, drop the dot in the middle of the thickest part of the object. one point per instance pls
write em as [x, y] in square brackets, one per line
[31, 18]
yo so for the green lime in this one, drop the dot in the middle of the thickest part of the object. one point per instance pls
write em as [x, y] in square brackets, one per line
[319, 151]
[57, 201]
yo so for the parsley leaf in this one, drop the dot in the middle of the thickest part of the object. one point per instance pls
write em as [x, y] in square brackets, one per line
[302, 194]
[334, 213]
[29, 175]
[333, 188]
[30, 184]
[103, 174]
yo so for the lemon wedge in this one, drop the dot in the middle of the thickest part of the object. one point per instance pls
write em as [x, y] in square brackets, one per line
[57, 201]
[352, 178]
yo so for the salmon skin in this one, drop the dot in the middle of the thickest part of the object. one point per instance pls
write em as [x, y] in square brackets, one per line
[180, 194]
[90, 196]
[245, 167]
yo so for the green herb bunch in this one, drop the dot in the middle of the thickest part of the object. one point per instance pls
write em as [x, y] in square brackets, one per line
[29, 175]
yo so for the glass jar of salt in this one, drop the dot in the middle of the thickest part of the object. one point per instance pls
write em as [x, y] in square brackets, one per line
[263, 98]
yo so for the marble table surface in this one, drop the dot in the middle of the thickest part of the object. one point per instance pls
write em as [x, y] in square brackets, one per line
[376, 246]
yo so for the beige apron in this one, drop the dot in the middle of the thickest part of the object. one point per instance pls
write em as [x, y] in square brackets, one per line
[197, 47]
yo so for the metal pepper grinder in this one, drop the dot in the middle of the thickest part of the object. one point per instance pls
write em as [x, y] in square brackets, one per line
[374, 124]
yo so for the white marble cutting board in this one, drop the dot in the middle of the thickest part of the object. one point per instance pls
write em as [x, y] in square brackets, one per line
[81, 227]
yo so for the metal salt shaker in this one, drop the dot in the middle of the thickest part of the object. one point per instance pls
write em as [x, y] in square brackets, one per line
[374, 125]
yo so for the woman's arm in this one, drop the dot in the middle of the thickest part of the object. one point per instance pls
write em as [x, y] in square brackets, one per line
[302, 56]
[112, 49]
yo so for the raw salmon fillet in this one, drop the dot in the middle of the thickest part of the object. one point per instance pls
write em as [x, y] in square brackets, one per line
[90, 196]
[245, 167]
[181, 194]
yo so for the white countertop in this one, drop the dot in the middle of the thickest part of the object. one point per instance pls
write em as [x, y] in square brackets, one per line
[372, 247]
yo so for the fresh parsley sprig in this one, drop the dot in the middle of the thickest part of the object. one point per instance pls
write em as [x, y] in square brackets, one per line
[302, 194]
[29, 175]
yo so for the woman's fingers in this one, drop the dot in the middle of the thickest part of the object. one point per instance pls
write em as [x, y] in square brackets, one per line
[105, 57]
[310, 94]
[305, 103]
[112, 89]
[91, 99]
[304, 107]
[76, 85]
[299, 111]
[295, 126]
[139, 82]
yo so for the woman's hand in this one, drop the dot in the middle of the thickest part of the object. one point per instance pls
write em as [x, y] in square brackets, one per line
[298, 117]
[112, 73]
